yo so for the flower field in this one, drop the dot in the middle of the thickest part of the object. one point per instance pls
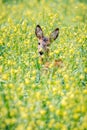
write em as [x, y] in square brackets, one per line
[33, 97]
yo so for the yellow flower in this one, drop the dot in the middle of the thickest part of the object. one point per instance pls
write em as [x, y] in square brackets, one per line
[1, 42]
[13, 112]
[20, 127]
[1, 68]
[51, 123]
[42, 112]
[24, 115]
[85, 70]
[64, 102]
[52, 108]
[27, 81]
[11, 86]
[38, 95]
[85, 91]
[29, 128]
[81, 77]
[66, 77]
[5, 77]
[83, 108]
[3, 111]
[76, 116]
[51, 65]
[59, 112]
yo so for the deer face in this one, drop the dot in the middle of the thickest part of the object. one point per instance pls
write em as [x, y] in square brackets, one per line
[44, 42]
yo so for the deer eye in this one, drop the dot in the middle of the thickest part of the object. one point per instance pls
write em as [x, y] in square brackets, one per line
[45, 39]
[38, 43]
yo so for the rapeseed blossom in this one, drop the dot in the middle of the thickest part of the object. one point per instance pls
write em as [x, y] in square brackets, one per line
[36, 95]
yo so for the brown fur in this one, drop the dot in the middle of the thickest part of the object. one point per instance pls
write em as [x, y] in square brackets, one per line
[43, 45]
[44, 42]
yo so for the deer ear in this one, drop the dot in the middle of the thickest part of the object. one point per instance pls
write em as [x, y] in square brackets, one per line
[39, 32]
[54, 34]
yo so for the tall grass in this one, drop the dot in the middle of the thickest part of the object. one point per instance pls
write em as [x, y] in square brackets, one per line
[33, 97]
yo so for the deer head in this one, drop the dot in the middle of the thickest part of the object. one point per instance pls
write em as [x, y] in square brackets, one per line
[44, 42]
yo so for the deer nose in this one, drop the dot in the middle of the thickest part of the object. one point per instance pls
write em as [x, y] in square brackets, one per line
[41, 53]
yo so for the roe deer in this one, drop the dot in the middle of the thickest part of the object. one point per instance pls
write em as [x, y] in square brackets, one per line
[44, 42]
